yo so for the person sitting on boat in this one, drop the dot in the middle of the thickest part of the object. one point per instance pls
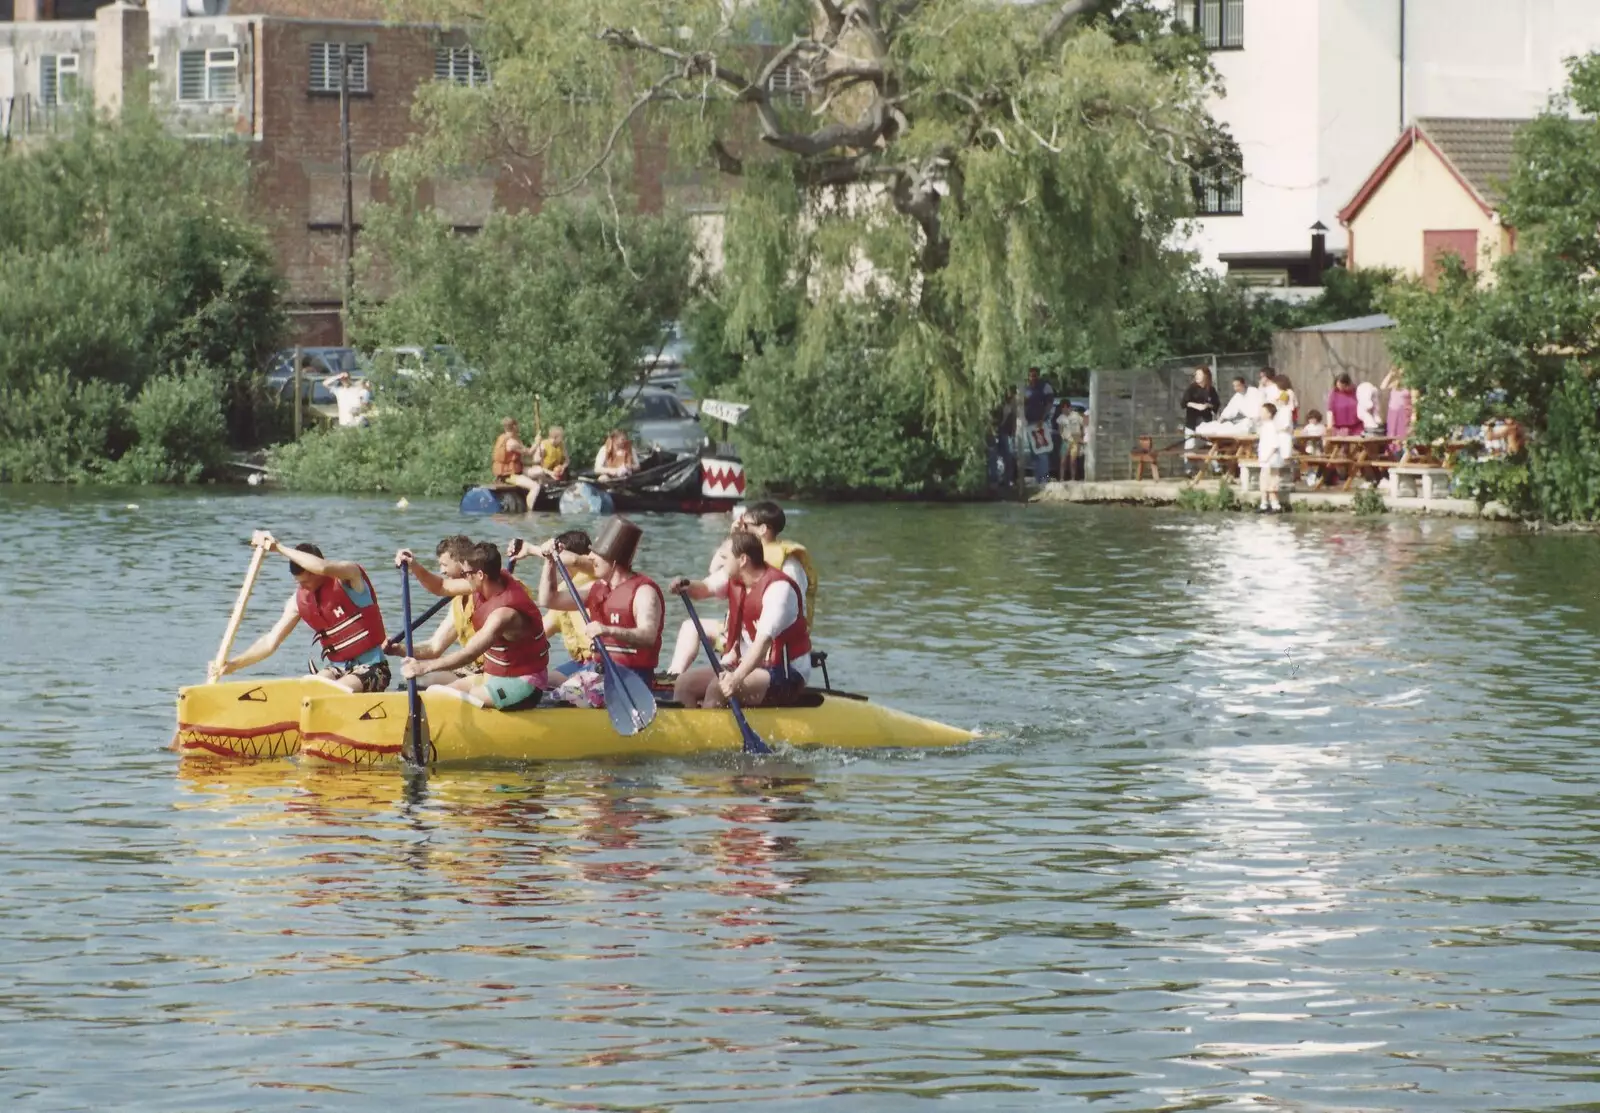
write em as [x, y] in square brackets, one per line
[767, 520]
[508, 459]
[575, 554]
[769, 655]
[616, 458]
[688, 648]
[508, 633]
[548, 463]
[626, 608]
[335, 599]
[457, 627]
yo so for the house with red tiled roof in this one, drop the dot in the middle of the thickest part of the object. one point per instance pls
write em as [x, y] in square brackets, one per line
[1437, 192]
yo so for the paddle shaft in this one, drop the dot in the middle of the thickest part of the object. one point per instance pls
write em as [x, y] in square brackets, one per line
[237, 617]
[419, 753]
[607, 665]
[752, 741]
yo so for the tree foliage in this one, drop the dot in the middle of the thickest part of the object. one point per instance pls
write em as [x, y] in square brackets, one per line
[556, 305]
[1524, 346]
[126, 257]
[1001, 175]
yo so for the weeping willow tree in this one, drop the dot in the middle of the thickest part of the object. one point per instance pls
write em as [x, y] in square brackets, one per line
[976, 177]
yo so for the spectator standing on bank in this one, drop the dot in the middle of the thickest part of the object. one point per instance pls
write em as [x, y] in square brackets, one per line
[353, 398]
[1200, 405]
[1070, 424]
[1037, 402]
[1003, 446]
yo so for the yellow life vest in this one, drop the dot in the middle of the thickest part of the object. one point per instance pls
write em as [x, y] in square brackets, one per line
[580, 647]
[552, 456]
[779, 551]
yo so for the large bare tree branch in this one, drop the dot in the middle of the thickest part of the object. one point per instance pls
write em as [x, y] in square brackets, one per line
[1069, 11]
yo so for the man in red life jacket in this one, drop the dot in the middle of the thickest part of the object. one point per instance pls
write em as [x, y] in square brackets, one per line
[625, 607]
[769, 653]
[337, 601]
[509, 637]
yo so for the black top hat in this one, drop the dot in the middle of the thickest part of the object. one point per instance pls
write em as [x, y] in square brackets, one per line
[618, 541]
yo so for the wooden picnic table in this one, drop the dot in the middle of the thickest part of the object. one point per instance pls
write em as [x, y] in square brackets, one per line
[1222, 454]
[1356, 455]
[1435, 454]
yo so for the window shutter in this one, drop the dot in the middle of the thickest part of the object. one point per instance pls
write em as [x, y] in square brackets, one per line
[222, 75]
[48, 88]
[442, 59]
[358, 68]
[192, 75]
[320, 54]
[1233, 25]
[1211, 22]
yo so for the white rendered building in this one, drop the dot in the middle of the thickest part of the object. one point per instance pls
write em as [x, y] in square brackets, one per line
[1317, 92]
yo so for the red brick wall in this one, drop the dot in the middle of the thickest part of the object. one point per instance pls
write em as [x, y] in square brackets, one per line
[311, 9]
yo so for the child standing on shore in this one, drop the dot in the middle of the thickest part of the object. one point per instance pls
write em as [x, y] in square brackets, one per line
[1269, 450]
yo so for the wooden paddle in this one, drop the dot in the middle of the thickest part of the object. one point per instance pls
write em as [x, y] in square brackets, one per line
[752, 740]
[629, 700]
[214, 673]
[417, 741]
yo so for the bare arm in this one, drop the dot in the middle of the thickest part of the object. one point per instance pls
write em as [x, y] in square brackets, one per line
[474, 648]
[344, 571]
[267, 644]
[553, 595]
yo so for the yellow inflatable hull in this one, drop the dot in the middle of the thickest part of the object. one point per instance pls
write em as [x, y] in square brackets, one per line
[246, 718]
[366, 730]
[317, 718]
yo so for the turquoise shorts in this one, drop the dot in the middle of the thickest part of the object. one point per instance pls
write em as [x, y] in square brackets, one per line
[508, 691]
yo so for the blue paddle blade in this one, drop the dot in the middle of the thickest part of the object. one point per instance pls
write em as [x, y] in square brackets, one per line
[752, 741]
[629, 700]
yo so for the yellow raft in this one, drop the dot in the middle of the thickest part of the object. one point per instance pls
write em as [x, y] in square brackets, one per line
[274, 718]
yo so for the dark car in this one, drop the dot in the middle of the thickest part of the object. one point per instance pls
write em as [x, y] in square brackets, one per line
[324, 362]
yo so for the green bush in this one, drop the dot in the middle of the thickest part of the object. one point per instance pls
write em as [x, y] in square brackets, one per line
[56, 430]
[180, 432]
[844, 423]
[1368, 502]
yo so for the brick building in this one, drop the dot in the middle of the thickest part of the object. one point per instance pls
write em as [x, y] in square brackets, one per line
[267, 73]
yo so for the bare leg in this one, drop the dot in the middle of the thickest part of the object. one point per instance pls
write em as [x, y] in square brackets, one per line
[688, 646]
[692, 685]
[751, 693]
[442, 678]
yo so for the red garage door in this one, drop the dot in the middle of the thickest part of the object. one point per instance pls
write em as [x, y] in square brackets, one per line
[1435, 244]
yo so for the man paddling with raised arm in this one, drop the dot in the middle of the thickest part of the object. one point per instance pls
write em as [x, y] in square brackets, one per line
[335, 599]
[625, 607]
[456, 628]
[769, 655]
[574, 544]
[508, 635]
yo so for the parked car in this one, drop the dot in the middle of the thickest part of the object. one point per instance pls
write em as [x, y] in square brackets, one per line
[412, 360]
[657, 419]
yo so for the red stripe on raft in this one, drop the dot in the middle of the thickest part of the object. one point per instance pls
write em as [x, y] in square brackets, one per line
[220, 751]
[329, 736]
[253, 732]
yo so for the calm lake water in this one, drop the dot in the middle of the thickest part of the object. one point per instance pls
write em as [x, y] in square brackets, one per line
[1270, 814]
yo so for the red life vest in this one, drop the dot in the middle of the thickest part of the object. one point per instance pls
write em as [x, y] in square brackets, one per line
[528, 655]
[345, 630]
[615, 608]
[744, 612]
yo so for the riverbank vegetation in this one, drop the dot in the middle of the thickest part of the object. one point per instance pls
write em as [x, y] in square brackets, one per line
[556, 305]
[137, 302]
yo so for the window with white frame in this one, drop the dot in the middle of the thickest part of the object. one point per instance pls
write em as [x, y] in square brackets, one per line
[1219, 23]
[208, 75]
[460, 65]
[326, 60]
[1219, 190]
[58, 79]
[788, 85]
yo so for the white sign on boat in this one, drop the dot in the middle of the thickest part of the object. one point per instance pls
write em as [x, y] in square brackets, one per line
[730, 412]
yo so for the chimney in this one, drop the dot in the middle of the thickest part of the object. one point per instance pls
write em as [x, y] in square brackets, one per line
[121, 55]
[33, 11]
[1319, 252]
